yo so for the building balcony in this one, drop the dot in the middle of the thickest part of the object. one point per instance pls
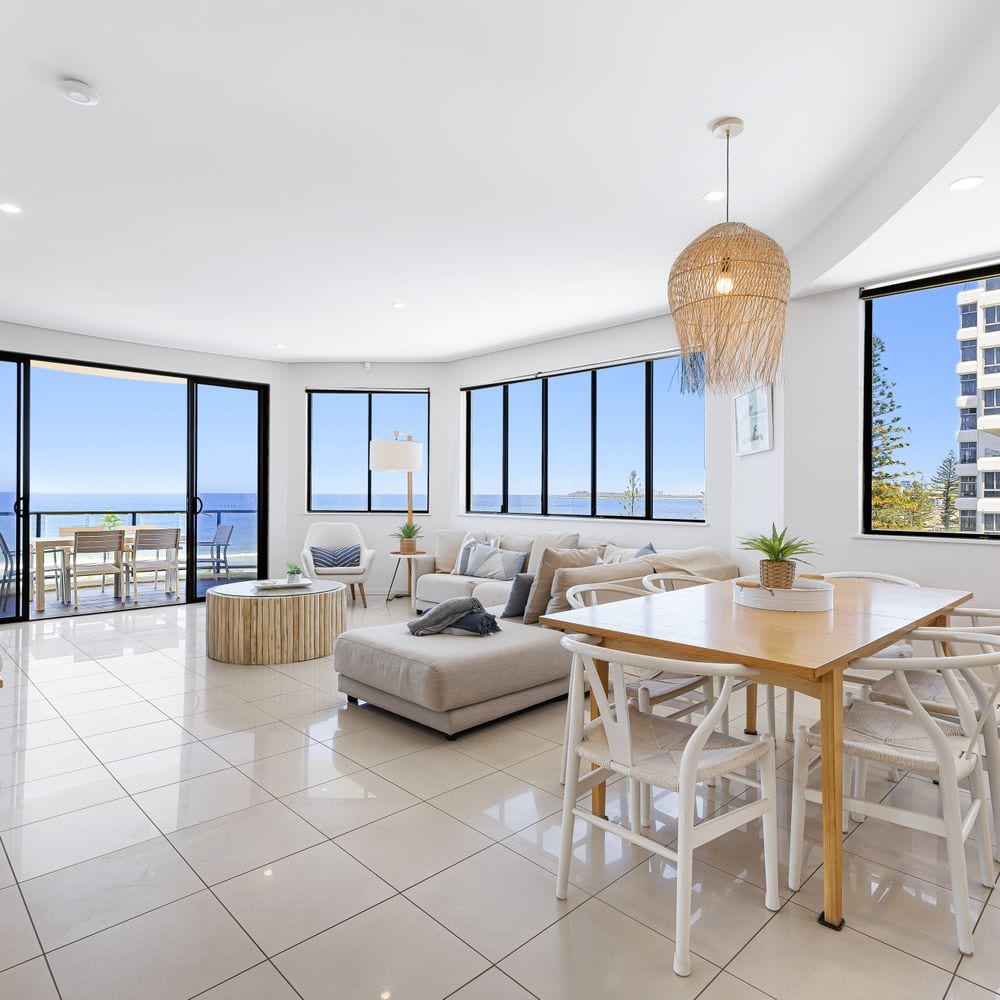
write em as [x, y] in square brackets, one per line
[967, 469]
[966, 503]
[964, 436]
[967, 367]
[988, 422]
[988, 505]
[991, 339]
[967, 333]
[989, 381]
[967, 295]
[991, 464]
[967, 402]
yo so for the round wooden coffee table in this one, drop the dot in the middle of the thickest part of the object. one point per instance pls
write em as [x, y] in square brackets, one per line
[247, 625]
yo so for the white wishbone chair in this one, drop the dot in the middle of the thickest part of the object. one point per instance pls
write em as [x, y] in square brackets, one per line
[911, 739]
[649, 749]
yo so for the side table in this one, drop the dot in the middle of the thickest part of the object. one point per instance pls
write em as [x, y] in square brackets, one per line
[408, 557]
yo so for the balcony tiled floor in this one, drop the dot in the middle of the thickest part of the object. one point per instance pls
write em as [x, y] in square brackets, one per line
[173, 827]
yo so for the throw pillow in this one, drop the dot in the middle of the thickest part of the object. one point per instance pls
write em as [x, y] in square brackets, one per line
[551, 540]
[517, 601]
[616, 554]
[465, 549]
[491, 563]
[553, 559]
[348, 555]
[646, 550]
[447, 542]
[628, 573]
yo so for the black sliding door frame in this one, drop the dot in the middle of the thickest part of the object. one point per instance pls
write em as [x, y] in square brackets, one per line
[20, 507]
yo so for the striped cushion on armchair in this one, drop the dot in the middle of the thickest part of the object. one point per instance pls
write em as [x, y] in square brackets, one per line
[349, 555]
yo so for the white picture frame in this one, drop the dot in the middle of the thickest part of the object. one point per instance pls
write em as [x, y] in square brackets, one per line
[753, 421]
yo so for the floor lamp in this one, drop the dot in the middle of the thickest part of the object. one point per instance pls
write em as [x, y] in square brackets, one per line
[401, 454]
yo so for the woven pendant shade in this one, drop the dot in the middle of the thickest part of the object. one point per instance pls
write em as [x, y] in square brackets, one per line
[728, 293]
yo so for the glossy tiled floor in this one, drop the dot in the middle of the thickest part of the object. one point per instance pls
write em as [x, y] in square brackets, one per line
[174, 827]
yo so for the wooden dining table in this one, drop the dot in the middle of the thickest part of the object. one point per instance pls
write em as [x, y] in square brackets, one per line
[804, 651]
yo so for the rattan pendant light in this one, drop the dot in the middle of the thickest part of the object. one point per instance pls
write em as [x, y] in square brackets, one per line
[728, 293]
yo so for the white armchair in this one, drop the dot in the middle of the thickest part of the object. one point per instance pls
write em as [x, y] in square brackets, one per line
[336, 535]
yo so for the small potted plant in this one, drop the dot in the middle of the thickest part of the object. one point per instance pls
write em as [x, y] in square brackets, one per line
[407, 535]
[293, 573]
[777, 568]
[110, 521]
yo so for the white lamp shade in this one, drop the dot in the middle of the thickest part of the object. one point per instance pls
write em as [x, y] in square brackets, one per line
[395, 456]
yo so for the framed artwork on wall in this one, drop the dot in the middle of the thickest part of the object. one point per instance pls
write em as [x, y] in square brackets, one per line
[753, 421]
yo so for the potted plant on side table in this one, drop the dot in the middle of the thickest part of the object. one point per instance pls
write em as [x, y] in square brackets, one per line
[408, 534]
[781, 553]
[293, 573]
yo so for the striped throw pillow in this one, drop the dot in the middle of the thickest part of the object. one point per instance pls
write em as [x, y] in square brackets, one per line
[349, 555]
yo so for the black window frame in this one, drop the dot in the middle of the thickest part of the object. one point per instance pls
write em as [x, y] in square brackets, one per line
[991, 408]
[968, 385]
[967, 515]
[991, 325]
[867, 296]
[968, 487]
[310, 393]
[647, 483]
[991, 367]
[965, 448]
[967, 347]
[968, 418]
[994, 490]
[991, 518]
[967, 311]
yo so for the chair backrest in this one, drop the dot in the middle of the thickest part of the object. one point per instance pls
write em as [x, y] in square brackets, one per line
[850, 574]
[99, 541]
[8, 556]
[586, 595]
[223, 533]
[69, 532]
[147, 539]
[334, 535]
[612, 706]
[657, 582]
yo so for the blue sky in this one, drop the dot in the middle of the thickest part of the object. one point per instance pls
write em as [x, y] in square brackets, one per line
[921, 352]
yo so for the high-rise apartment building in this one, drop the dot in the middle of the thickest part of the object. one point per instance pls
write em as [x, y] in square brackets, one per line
[978, 402]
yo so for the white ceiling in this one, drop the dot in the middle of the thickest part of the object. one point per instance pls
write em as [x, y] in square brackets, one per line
[260, 173]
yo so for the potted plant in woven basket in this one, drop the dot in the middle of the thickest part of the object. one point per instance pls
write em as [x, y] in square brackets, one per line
[408, 534]
[781, 553]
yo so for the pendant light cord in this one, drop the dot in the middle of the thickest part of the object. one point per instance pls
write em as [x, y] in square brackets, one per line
[727, 175]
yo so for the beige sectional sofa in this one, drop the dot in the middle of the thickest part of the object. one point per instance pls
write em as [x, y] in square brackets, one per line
[452, 683]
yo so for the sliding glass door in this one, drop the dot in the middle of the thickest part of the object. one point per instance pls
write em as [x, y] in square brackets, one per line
[227, 471]
[13, 550]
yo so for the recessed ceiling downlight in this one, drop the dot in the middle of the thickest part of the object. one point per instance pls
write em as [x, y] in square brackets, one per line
[399, 305]
[78, 92]
[714, 195]
[965, 183]
[9, 208]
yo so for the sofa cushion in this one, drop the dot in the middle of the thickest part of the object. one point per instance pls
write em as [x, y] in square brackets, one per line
[493, 594]
[346, 555]
[593, 543]
[553, 559]
[465, 550]
[517, 600]
[550, 540]
[447, 542]
[445, 672]
[516, 543]
[616, 553]
[437, 587]
[491, 563]
[628, 573]
[699, 561]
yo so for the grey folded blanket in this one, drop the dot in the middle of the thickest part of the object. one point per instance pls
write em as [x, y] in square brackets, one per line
[447, 614]
[474, 623]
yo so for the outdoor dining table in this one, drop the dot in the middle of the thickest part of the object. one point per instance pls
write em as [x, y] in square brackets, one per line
[804, 651]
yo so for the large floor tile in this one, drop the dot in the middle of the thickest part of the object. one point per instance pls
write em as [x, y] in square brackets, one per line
[30, 735]
[542, 771]
[501, 745]
[166, 767]
[262, 982]
[727, 987]
[231, 845]
[492, 985]
[46, 797]
[294, 770]
[20, 713]
[983, 967]
[44, 762]
[110, 720]
[17, 937]
[140, 740]
[298, 703]
[196, 800]
[73, 902]
[726, 911]
[301, 895]
[432, 840]
[793, 953]
[6, 872]
[354, 959]
[385, 742]
[221, 721]
[77, 836]
[174, 952]
[261, 741]
[547, 721]
[498, 805]
[30, 981]
[336, 807]
[265, 683]
[71, 705]
[430, 772]
[329, 723]
[597, 952]
[494, 901]
[207, 699]
[910, 914]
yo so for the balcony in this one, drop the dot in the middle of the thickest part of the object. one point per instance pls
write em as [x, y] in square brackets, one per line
[967, 402]
[963, 436]
[989, 422]
[966, 503]
[988, 505]
[990, 463]
[967, 367]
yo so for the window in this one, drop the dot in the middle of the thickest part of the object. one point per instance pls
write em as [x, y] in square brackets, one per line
[342, 422]
[992, 284]
[991, 316]
[616, 441]
[991, 524]
[991, 484]
[913, 430]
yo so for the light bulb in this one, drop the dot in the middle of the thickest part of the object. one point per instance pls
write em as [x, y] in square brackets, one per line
[724, 285]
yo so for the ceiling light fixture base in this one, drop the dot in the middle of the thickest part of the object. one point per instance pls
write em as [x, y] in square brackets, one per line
[727, 127]
[79, 93]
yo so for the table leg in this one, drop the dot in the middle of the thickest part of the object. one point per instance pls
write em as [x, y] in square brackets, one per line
[599, 793]
[39, 578]
[751, 722]
[831, 697]
[388, 593]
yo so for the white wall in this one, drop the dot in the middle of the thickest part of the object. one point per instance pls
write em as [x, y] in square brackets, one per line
[73, 347]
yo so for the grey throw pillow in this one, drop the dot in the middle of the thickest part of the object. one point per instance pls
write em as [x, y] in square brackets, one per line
[517, 600]
[487, 562]
[646, 550]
